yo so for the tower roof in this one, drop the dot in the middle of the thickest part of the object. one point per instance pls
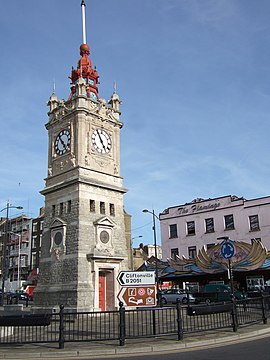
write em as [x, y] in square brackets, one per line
[84, 68]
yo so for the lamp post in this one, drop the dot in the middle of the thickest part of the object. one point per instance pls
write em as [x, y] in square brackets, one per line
[154, 217]
[5, 241]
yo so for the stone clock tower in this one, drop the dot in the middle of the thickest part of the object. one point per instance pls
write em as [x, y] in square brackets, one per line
[85, 240]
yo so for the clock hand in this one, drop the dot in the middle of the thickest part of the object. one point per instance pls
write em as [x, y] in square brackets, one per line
[102, 143]
[63, 143]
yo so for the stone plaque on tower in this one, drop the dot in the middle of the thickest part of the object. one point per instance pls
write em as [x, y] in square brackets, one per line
[85, 241]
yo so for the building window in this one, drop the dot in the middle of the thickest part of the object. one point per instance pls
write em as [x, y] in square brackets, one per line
[254, 223]
[92, 206]
[34, 227]
[61, 208]
[41, 225]
[209, 225]
[53, 210]
[34, 260]
[24, 261]
[191, 227]
[69, 206]
[229, 222]
[34, 244]
[112, 210]
[174, 252]
[24, 245]
[173, 231]
[192, 252]
[258, 239]
[102, 207]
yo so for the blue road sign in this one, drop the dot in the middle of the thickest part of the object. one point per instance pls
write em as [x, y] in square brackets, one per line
[227, 250]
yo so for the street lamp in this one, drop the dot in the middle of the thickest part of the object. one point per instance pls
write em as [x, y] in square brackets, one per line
[5, 241]
[136, 237]
[154, 217]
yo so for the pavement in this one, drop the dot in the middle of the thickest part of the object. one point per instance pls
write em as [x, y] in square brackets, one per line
[92, 350]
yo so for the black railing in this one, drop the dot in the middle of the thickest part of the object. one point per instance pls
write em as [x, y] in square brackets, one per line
[92, 326]
[151, 322]
[121, 325]
[199, 318]
[24, 329]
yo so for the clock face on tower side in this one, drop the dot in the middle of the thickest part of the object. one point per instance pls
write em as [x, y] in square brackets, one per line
[101, 141]
[62, 142]
[58, 238]
[104, 236]
[93, 96]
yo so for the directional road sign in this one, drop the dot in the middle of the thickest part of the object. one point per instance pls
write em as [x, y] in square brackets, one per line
[138, 296]
[136, 278]
[227, 250]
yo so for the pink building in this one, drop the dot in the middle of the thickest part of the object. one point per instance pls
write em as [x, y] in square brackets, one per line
[186, 228]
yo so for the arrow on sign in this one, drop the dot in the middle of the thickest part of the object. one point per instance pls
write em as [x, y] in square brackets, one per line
[136, 278]
[121, 294]
[120, 278]
[227, 250]
[139, 296]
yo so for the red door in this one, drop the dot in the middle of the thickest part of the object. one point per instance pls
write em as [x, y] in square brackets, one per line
[102, 291]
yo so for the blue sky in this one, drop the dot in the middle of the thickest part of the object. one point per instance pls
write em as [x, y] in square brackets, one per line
[194, 78]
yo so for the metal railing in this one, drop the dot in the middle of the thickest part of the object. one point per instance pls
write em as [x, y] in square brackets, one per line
[20, 331]
[210, 319]
[121, 325]
[253, 310]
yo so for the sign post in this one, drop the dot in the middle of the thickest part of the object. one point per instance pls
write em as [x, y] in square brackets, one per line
[137, 288]
[228, 251]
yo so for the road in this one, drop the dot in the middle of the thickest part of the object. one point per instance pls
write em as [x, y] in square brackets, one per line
[248, 350]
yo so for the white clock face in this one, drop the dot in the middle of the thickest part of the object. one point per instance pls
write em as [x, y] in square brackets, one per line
[101, 141]
[62, 142]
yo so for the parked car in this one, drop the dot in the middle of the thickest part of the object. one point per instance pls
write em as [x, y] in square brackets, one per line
[170, 296]
[217, 293]
[19, 295]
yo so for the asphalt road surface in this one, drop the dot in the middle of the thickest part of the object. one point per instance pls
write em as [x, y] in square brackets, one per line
[248, 350]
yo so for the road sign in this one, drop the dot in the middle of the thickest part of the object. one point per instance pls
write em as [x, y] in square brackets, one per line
[138, 296]
[227, 250]
[136, 278]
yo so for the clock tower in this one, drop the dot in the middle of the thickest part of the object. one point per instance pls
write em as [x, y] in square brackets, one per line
[86, 236]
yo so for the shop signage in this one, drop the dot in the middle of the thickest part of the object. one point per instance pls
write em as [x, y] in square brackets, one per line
[198, 207]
